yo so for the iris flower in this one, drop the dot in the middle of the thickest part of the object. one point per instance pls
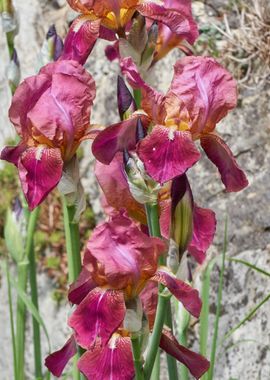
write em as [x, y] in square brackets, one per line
[51, 114]
[120, 260]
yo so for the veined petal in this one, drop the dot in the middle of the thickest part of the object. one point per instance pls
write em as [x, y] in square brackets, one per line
[97, 317]
[112, 180]
[220, 154]
[40, 170]
[204, 228]
[80, 40]
[12, 153]
[207, 90]
[188, 296]
[81, 287]
[112, 362]
[115, 138]
[125, 252]
[57, 361]
[196, 363]
[167, 154]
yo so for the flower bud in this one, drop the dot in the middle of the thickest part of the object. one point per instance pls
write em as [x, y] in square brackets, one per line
[181, 213]
[126, 103]
[150, 47]
[52, 47]
[138, 34]
[142, 187]
[13, 72]
[8, 15]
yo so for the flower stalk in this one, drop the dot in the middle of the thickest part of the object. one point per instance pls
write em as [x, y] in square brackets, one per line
[137, 357]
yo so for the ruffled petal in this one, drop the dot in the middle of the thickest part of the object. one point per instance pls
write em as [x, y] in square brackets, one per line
[188, 296]
[207, 90]
[112, 180]
[220, 154]
[57, 361]
[196, 363]
[97, 317]
[125, 252]
[80, 40]
[167, 154]
[112, 362]
[81, 287]
[40, 170]
[204, 228]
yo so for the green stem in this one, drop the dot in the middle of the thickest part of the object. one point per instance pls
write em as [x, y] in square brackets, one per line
[163, 302]
[72, 236]
[72, 242]
[34, 296]
[156, 369]
[171, 362]
[137, 358]
[11, 317]
[220, 289]
[138, 97]
[183, 369]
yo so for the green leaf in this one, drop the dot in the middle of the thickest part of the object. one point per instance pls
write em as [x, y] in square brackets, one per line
[13, 237]
[31, 308]
[252, 266]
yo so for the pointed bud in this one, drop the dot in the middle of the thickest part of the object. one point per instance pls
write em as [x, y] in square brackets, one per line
[15, 231]
[140, 132]
[126, 103]
[150, 48]
[52, 47]
[142, 187]
[138, 33]
[181, 213]
[13, 71]
[8, 15]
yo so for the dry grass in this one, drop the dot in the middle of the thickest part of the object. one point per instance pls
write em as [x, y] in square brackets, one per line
[247, 48]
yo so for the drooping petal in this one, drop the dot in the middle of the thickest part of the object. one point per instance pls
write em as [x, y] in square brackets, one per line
[220, 154]
[112, 180]
[204, 228]
[40, 170]
[81, 287]
[188, 296]
[149, 298]
[167, 154]
[196, 363]
[207, 90]
[115, 138]
[112, 362]
[126, 253]
[80, 40]
[57, 361]
[97, 317]
[12, 153]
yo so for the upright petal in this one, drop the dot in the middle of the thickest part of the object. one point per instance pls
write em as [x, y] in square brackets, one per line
[178, 20]
[196, 363]
[167, 154]
[112, 362]
[124, 251]
[207, 90]
[220, 154]
[112, 180]
[80, 40]
[57, 361]
[97, 317]
[40, 170]
[188, 296]
[204, 228]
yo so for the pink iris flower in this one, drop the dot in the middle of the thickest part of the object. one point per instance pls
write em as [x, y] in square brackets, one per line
[201, 94]
[51, 114]
[119, 262]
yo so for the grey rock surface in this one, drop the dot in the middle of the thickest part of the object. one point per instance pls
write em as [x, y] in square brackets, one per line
[246, 130]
